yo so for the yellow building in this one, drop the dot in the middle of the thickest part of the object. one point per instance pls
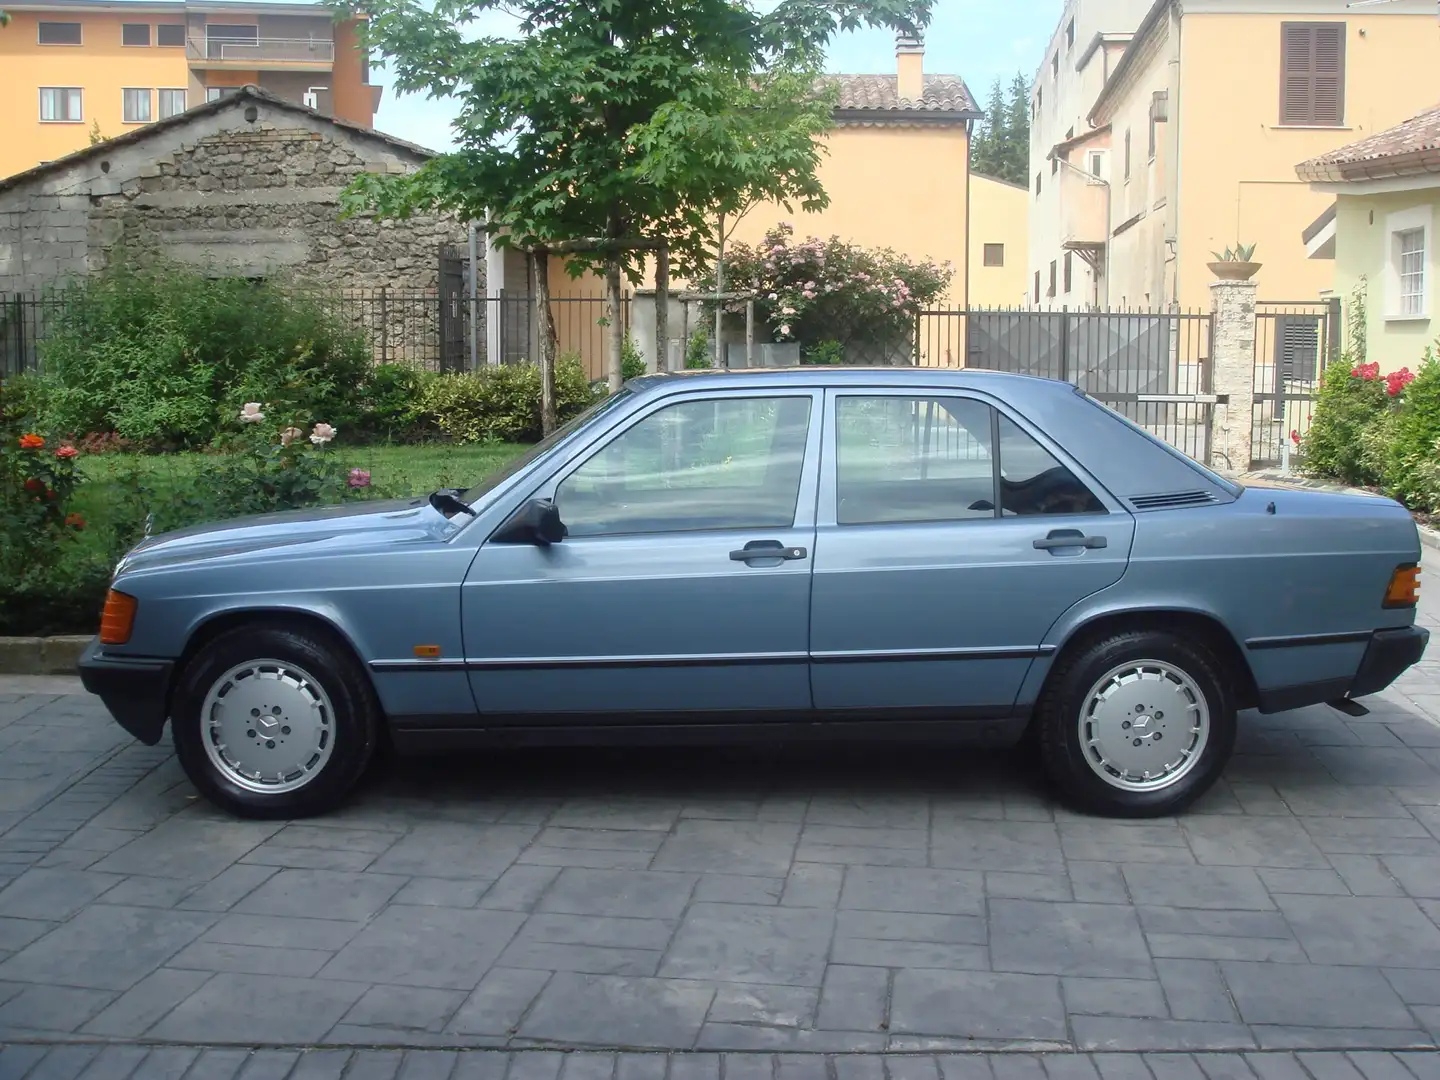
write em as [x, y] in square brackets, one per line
[1190, 145]
[1382, 233]
[72, 69]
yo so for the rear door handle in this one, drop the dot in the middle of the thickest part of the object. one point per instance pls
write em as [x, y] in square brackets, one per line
[1070, 538]
[766, 549]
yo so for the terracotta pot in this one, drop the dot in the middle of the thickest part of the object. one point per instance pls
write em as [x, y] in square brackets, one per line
[1234, 271]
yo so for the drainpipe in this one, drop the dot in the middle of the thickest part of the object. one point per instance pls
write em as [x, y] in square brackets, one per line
[1172, 140]
[969, 134]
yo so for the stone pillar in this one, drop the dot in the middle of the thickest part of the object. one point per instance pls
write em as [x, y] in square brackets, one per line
[1232, 369]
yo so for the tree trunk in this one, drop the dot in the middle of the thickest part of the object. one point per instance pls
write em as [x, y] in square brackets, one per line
[719, 288]
[662, 309]
[615, 333]
[545, 330]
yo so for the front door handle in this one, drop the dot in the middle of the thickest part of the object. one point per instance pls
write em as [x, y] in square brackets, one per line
[1070, 538]
[766, 549]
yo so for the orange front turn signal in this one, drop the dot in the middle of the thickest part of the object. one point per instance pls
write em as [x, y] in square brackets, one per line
[1404, 590]
[118, 618]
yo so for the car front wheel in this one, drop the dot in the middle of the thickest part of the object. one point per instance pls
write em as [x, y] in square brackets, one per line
[272, 722]
[1138, 724]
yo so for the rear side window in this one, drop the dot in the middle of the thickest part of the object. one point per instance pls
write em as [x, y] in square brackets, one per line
[1033, 482]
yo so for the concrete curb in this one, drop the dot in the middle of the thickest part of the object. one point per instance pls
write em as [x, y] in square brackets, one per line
[41, 655]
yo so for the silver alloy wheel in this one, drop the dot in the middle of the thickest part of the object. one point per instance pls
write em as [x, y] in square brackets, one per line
[1144, 725]
[268, 726]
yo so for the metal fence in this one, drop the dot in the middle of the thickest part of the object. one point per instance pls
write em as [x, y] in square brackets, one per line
[1293, 344]
[424, 328]
[1154, 367]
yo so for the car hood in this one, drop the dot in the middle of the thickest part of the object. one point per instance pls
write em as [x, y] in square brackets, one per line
[388, 521]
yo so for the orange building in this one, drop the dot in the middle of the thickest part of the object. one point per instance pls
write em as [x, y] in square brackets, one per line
[76, 70]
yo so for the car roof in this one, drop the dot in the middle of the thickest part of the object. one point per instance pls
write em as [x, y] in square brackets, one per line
[996, 382]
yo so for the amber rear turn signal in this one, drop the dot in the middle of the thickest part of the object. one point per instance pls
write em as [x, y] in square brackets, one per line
[118, 619]
[1404, 590]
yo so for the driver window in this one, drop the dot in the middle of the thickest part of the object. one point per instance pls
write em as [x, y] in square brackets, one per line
[725, 463]
[1032, 482]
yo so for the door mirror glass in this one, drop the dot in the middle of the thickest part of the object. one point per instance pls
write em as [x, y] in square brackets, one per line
[537, 522]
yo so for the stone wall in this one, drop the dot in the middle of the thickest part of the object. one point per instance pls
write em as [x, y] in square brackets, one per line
[249, 190]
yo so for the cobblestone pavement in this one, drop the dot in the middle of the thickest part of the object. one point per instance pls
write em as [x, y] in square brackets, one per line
[835, 902]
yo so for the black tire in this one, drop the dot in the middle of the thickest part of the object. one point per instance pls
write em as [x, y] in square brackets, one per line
[1058, 723]
[357, 719]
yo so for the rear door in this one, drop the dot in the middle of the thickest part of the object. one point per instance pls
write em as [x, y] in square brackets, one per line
[951, 534]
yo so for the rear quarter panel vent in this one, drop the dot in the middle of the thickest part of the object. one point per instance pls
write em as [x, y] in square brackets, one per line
[1173, 500]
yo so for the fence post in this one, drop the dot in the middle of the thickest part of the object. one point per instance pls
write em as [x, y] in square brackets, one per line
[1232, 365]
[1334, 335]
[1064, 342]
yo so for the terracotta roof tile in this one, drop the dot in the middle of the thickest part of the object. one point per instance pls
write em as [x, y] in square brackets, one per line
[880, 93]
[1417, 135]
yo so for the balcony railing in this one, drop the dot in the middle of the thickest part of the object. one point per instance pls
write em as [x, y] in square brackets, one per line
[263, 50]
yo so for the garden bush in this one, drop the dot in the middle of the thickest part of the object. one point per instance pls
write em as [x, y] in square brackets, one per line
[392, 404]
[502, 403]
[1351, 399]
[162, 354]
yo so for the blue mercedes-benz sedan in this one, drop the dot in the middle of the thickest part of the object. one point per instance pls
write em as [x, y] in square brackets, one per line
[820, 553]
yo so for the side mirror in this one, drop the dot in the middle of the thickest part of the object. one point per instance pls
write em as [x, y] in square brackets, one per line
[537, 522]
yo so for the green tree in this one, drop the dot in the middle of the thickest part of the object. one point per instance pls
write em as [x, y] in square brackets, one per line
[613, 127]
[990, 133]
[1001, 146]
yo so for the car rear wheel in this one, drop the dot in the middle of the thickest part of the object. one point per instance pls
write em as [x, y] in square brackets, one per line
[271, 722]
[1138, 724]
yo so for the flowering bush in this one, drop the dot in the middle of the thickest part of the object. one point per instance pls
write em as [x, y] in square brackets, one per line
[37, 481]
[832, 291]
[271, 467]
[1350, 401]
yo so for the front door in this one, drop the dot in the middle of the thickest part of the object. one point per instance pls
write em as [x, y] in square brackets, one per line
[683, 585]
[949, 541]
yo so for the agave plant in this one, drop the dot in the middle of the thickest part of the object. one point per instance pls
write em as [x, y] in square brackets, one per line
[1239, 253]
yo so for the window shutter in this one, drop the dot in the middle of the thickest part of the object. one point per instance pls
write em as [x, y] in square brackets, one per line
[1312, 78]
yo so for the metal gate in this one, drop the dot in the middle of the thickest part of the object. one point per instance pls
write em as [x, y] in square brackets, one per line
[454, 308]
[1293, 344]
[1152, 367]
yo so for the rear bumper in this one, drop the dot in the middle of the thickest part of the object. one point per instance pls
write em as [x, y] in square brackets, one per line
[134, 689]
[1387, 655]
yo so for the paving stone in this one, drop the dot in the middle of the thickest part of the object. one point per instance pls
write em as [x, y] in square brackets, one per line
[1372, 836]
[410, 1007]
[1119, 1033]
[1219, 935]
[588, 1065]
[450, 849]
[612, 812]
[414, 946]
[1365, 876]
[640, 1066]
[912, 1067]
[15, 934]
[1276, 1067]
[1226, 888]
[187, 848]
[1006, 885]
[327, 894]
[686, 1067]
[743, 944]
[519, 888]
[1114, 997]
[942, 892]
[482, 1065]
[270, 1065]
[1174, 1067]
[173, 1062]
[376, 1065]
[1378, 1065]
[1098, 883]
[85, 947]
[1017, 1067]
[1311, 882]
[142, 1006]
[634, 894]
[737, 889]
[228, 888]
[776, 1006]
[1322, 997]
[1273, 842]
[1194, 990]
[497, 1004]
[611, 1010]
[762, 848]
[282, 932]
[1023, 847]
[1121, 1067]
[594, 944]
[1094, 940]
[977, 1005]
[150, 892]
[1418, 876]
[52, 1008]
[810, 885]
[53, 894]
[1368, 931]
[428, 1065]
[251, 1009]
[1058, 1067]
[1376, 765]
[1224, 1066]
[853, 998]
[63, 1063]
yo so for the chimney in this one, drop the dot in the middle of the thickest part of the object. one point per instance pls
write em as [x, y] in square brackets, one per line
[910, 66]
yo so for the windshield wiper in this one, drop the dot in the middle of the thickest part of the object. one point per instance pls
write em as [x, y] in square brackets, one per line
[448, 501]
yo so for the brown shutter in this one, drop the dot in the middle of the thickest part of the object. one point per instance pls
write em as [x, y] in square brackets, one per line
[1312, 73]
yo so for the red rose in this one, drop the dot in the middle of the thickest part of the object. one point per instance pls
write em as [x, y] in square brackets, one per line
[31, 442]
[66, 452]
[33, 485]
[75, 521]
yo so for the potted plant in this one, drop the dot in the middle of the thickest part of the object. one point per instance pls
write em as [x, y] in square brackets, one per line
[1234, 264]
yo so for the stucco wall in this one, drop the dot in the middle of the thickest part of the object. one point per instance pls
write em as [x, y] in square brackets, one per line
[255, 198]
[998, 215]
[1362, 243]
[1237, 163]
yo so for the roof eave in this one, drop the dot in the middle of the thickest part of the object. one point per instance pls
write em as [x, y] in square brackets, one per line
[1391, 167]
[906, 116]
[1153, 18]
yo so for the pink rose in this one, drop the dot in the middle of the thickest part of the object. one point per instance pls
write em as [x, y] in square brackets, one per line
[322, 434]
[289, 435]
[359, 478]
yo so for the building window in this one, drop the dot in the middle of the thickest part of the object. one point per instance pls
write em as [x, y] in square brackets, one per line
[1054, 164]
[60, 105]
[1055, 66]
[1037, 286]
[994, 254]
[1069, 272]
[1312, 74]
[1410, 251]
[1052, 278]
[172, 103]
[135, 34]
[1097, 163]
[59, 33]
[136, 106]
[1038, 178]
[1070, 34]
[170, 35]
[1127, 155]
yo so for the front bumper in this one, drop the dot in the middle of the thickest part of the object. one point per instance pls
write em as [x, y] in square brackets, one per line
[1386, 658]
[135, 689]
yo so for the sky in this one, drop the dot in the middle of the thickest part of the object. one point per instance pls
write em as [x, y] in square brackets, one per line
[978, 40]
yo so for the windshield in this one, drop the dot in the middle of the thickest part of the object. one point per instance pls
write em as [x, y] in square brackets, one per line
[545, 445]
